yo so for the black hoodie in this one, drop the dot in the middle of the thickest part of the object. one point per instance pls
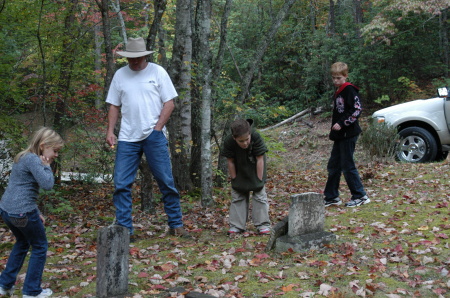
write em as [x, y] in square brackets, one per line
[346, 111]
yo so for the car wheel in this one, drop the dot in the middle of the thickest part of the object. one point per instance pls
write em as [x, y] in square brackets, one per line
[416, 145]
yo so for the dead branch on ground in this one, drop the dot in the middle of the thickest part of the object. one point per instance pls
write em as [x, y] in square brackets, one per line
[298, 115]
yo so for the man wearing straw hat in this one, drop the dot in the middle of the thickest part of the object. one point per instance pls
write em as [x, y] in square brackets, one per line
[143, 93]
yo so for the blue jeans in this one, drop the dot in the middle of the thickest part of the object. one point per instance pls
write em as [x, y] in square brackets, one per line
[128, 156]
[341, 161]
[29, 231]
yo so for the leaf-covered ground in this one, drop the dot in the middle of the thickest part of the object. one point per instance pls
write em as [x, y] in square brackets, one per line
[396, 246]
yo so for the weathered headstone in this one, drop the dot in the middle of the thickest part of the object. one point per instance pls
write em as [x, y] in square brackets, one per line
[305, 224]
[112, 261]
[307, 214]
[280, 229]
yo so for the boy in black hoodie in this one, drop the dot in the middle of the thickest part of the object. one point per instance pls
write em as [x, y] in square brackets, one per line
[345, 130]
[245, 152]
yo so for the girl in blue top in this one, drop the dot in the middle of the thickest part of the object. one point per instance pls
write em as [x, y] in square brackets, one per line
[19, 210]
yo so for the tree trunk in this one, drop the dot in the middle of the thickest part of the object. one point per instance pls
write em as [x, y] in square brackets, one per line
[358, 16]
[118, 11]
[222, 165]
[160, 8]
[99, 100]
[332, 18]
[103, 6]
[44, 88]
[162, 53]
[195, 167]
[218, 61]
[203, 27]
[312, 15]
[147, 198]
[358, 11]
[180, 72]
[217, 67]
[201, 171]
[444, 40]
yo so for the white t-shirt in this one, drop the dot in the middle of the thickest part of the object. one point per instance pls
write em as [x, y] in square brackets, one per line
[141, 95]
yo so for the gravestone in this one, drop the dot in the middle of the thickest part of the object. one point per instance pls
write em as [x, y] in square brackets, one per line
[112, 261]
[304, 227]
[280, 229]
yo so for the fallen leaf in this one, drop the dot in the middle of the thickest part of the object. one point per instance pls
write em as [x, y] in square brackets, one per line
[156, 279]
[442, 235]
[326, 289]
[288, 288]
[303, 275]
[143, 274]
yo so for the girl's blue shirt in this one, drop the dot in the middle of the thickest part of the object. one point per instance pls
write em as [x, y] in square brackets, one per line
[28, 175]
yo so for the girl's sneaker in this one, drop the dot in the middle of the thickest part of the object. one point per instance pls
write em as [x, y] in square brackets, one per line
[264, 231]
[43, 294]
[5, 292]
[233, 231]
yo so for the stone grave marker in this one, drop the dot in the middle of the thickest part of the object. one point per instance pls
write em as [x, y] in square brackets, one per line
[303, 229]
[112, 261]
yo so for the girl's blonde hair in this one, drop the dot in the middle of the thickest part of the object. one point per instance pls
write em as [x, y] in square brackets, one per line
[44, 136]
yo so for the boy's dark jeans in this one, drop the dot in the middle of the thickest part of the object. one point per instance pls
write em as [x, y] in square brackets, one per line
[341, 161]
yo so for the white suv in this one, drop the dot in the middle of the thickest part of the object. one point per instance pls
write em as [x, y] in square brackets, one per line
[423, 126]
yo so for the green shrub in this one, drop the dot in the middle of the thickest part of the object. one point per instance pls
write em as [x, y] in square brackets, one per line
[379, 141]
[54, 202]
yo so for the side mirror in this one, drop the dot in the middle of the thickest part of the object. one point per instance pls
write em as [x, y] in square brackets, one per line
[443, 92]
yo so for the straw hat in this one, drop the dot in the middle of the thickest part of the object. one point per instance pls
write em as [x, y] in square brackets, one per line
[135, 48]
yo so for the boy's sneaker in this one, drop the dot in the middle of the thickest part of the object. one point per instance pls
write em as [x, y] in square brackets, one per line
[44, 293]
[264, 231]
[234, 231]
[358, 202]
[335, 201]
[6, 292]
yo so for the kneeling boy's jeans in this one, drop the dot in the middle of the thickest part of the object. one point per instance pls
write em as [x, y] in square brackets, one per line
[29, 231]
[240, 206]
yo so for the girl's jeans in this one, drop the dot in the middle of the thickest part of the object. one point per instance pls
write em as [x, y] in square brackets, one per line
[29, 231]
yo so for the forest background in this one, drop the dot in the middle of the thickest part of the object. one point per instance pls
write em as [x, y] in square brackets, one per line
[260, 59]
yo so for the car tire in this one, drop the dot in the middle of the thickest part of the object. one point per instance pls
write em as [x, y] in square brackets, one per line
[416, 145]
